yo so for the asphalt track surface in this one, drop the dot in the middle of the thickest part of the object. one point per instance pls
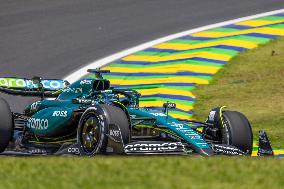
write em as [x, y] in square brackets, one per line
[53, 38]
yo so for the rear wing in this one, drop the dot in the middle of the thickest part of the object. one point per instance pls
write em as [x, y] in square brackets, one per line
[28, 87]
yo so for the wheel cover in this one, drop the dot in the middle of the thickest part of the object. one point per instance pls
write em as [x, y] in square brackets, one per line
[91, 133]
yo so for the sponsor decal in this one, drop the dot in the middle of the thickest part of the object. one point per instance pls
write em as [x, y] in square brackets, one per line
[227, 150]
[114, 133]
[25, 83]
[35, 105]
[211, 115]
[101, 118]
[158, 114]
[53, 84]
[73, 150]
[86, 81]
[38, 151]
[84, 101]
[133, 116]
[38, 124]
[190, 134]
[73, 90]
[59, 114]
[178, 126]
[13, 82]
[153, 147]
[107, 91]
[130, 91]
[195, 137]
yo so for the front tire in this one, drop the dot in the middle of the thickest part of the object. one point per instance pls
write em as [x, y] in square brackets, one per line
[6, 124]
[237, 131]
[93, 128]
[116, 115]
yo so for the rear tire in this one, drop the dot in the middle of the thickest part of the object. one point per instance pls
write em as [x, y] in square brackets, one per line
[237, 131]
[6, 124]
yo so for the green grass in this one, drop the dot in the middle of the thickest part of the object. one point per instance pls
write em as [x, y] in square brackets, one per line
[252, 83]
[141, 172]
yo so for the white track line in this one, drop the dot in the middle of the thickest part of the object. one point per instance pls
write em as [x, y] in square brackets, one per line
[101, 62]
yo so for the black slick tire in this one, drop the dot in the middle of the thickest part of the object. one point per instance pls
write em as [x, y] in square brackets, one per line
[237, 131]
[101, 116]
[6, 124]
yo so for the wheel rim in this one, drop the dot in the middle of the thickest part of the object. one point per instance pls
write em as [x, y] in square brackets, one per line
[91, 132]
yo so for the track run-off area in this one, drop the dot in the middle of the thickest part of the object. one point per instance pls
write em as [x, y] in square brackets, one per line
[170, 70]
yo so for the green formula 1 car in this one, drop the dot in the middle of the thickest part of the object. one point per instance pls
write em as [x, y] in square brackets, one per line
[90, 117]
